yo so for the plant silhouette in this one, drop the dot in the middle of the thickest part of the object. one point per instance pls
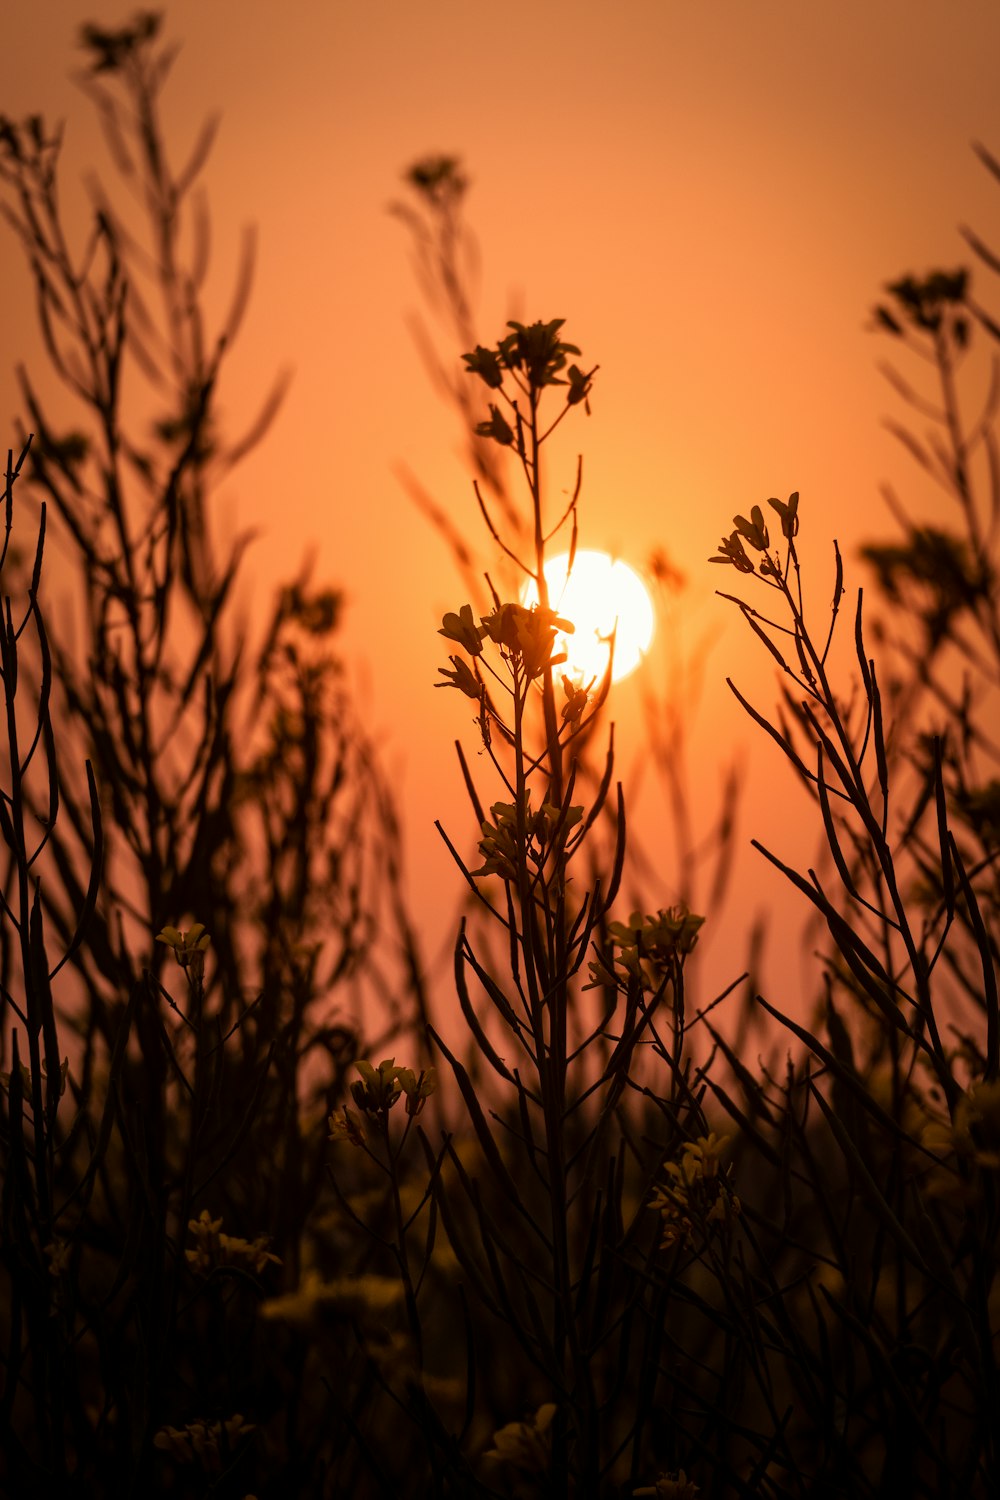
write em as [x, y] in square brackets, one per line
[257, 1240]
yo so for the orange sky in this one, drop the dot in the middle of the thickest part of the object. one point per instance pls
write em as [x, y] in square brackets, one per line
[711, 195]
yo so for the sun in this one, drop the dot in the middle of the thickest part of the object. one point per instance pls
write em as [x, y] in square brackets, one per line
[601, 593]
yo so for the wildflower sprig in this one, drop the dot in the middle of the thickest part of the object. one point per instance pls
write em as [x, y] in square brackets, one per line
[651, 950]
[529, 838]
[380, 1088]
[696, 1195]
[529, 362]
[804, 660]
[213, 1250]
[935, 304]
[833, 752]
[523, 641]
[189, 948]
[532, 357]
[502, 852]
[526, 637]
[535, 355]
[754, 533]
[376, 1093]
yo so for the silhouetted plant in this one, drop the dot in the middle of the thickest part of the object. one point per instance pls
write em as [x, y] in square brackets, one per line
[910, 1093]
[546, 1202]
[242, 807]
[168, 689]
[627, 1265]
[446, 259]
[34, 1250]
[944, 575]
[899, 1157]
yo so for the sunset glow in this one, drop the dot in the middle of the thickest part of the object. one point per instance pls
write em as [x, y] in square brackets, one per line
[602, 596]
[546, 1086]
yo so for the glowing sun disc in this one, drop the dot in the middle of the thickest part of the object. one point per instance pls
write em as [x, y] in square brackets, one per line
[599, 594]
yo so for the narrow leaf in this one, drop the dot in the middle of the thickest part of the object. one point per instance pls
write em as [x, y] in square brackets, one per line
[990, 1001]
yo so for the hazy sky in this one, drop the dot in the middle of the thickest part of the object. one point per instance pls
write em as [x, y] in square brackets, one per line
[711, 195]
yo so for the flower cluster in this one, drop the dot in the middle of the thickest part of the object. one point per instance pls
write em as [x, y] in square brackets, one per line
[525, 638]
[214, 1250]
[438, 178]
[927, 303]
[755, 534]
[537, 352]
[499, 844]
[648, 949]
[208, 1443]
[697, 1193]
[375, 1093]
[189, 947]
